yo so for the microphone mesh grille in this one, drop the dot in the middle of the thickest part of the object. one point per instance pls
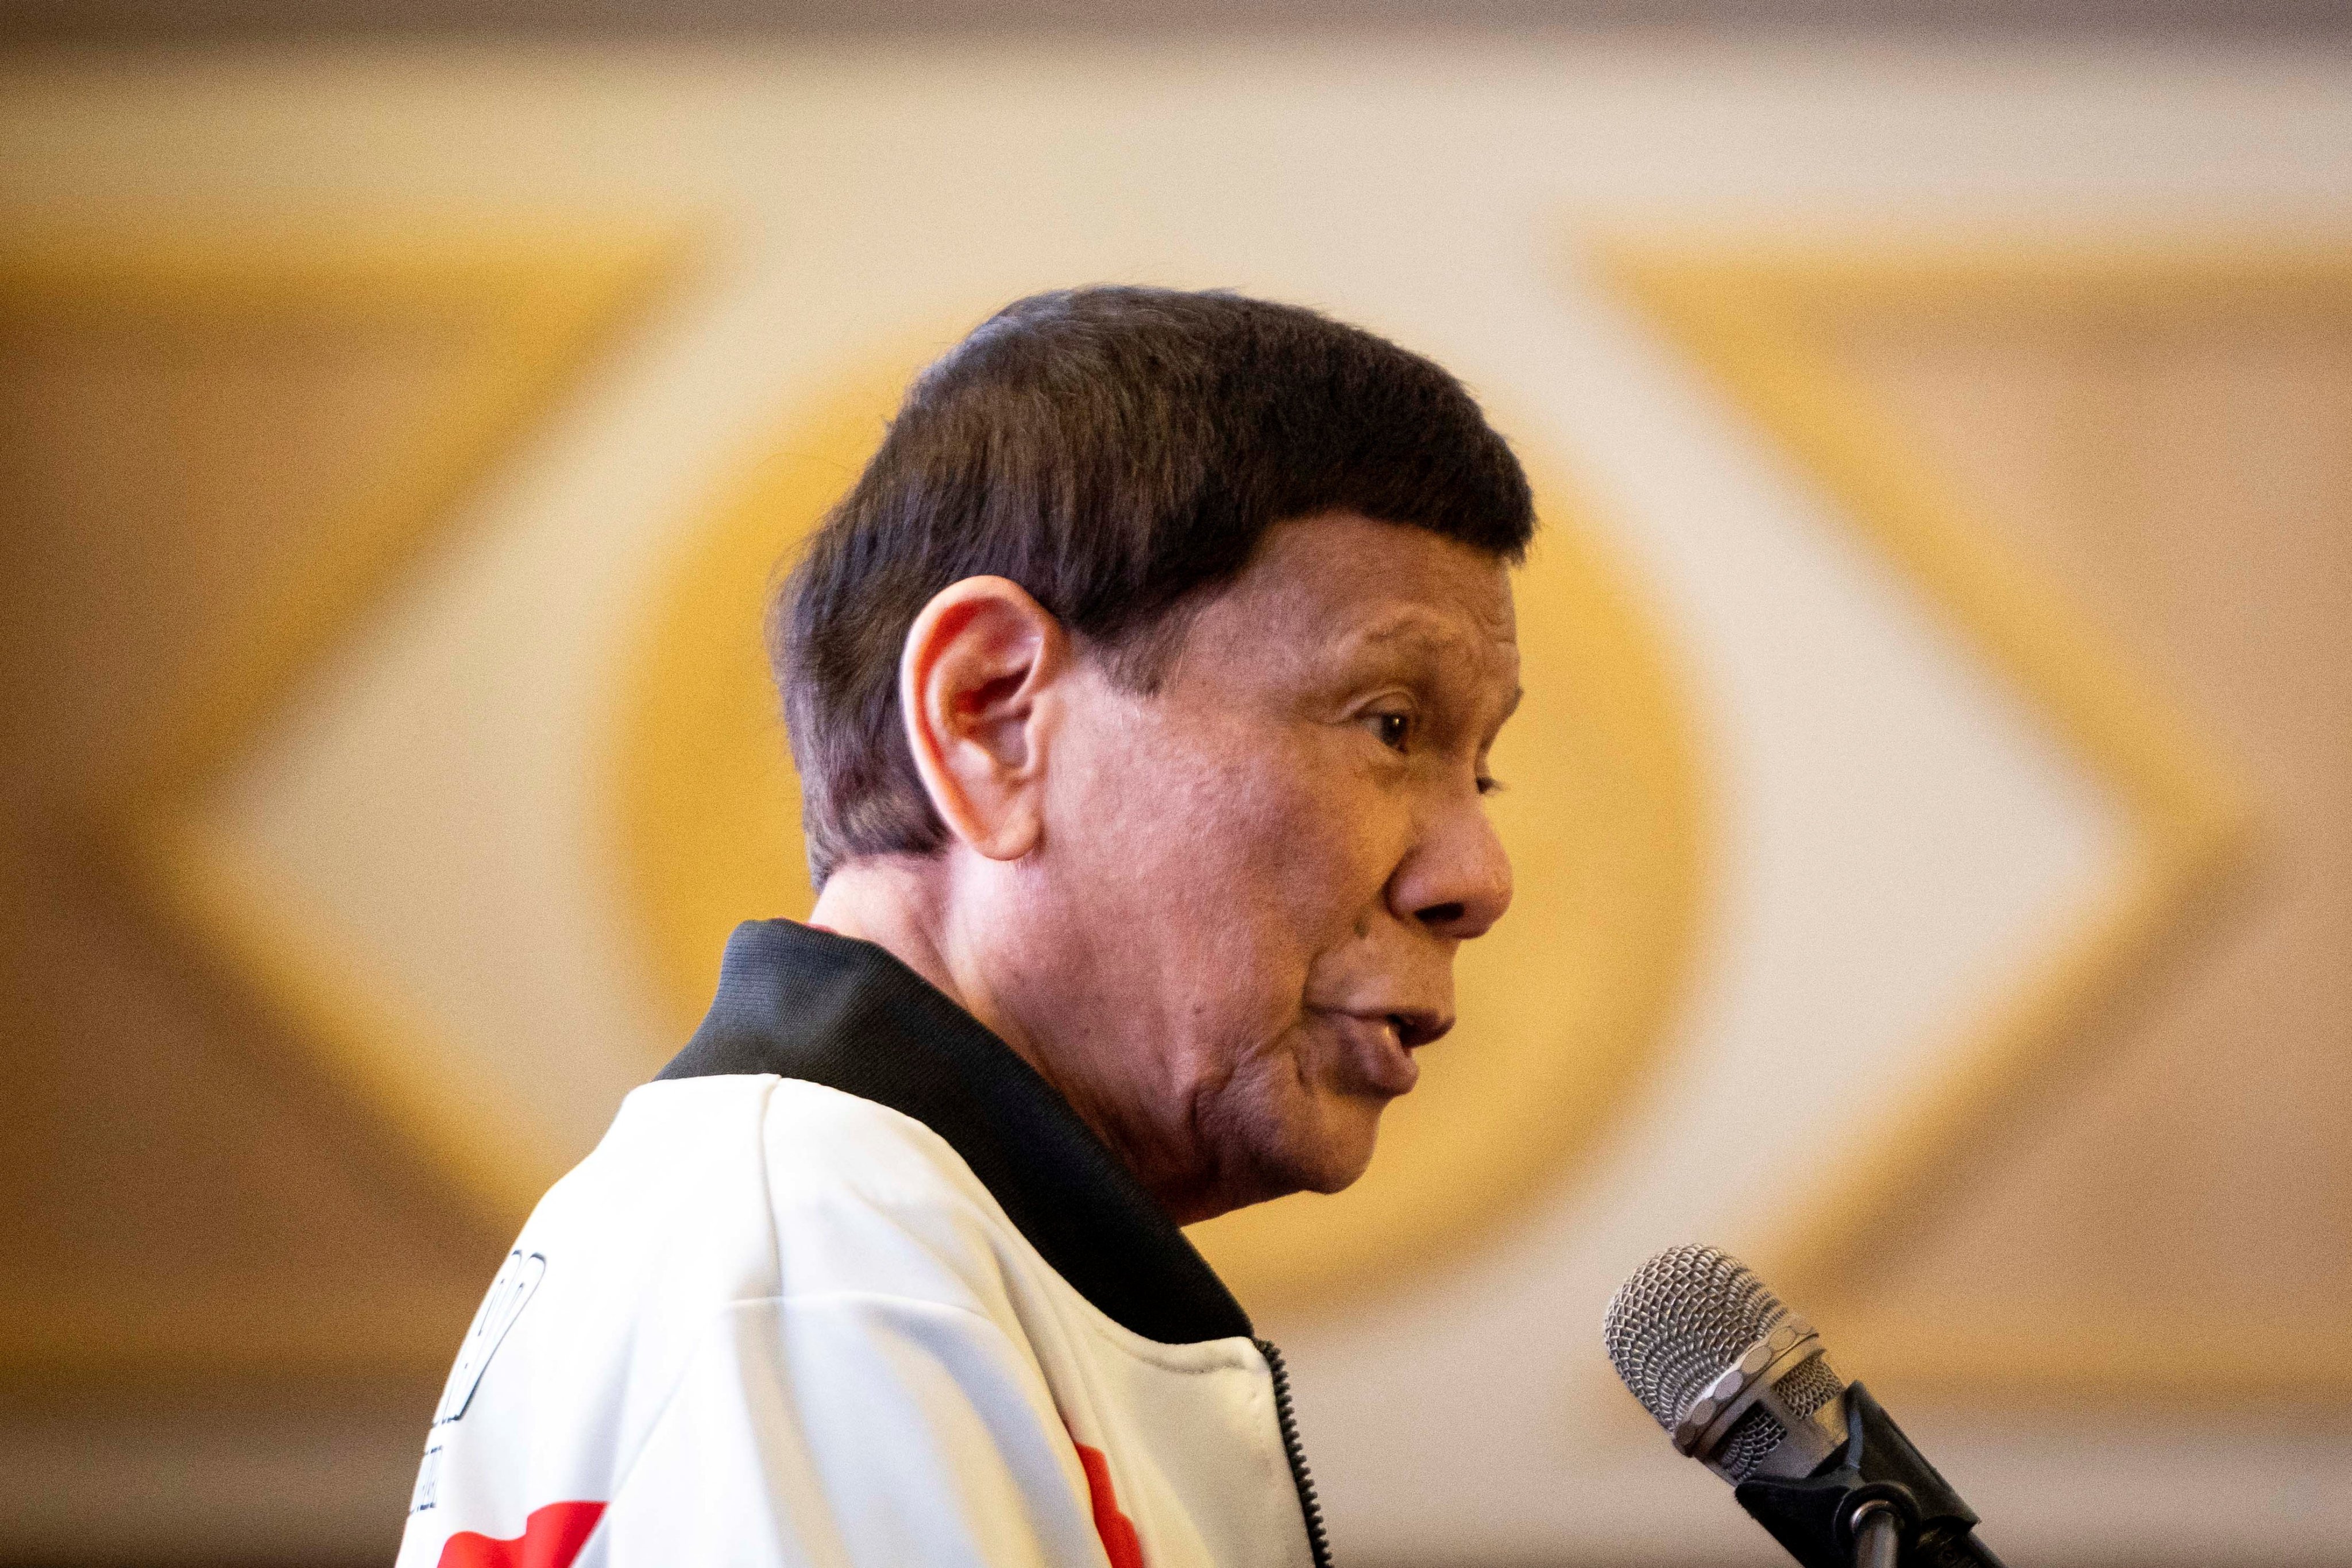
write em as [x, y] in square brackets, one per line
[1754, 1436]
[1811, 1386]
[1749, 1442]
[1684, 1316]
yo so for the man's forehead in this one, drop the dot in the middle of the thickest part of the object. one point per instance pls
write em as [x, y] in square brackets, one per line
[1439, 631]
[1345, 589]
[1463, 611]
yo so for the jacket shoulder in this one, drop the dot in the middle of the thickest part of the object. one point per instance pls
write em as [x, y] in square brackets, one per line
[723, 1189]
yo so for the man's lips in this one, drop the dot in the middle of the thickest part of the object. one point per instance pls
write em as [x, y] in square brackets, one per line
[1379, 1045]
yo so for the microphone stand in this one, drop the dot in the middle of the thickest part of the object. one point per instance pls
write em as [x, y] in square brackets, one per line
[1878, 1534]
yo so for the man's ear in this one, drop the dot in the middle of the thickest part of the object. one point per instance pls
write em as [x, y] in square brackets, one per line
[974, 683]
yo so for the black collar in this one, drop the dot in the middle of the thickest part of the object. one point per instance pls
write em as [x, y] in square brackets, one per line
[805, 1003]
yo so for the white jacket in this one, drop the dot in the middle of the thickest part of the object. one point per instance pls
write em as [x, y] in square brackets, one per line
[851, 1284]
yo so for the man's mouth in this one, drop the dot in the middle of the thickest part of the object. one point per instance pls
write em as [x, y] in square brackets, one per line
[1381, 1046]
[1418, 1028]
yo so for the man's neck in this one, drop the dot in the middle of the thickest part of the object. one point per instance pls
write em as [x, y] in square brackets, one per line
[898, 905]
[887, 903]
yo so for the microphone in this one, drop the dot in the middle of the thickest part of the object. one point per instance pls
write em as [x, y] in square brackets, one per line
[1740, 1383]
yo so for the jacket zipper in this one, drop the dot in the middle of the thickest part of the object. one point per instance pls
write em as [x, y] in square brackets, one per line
[1287, 1418]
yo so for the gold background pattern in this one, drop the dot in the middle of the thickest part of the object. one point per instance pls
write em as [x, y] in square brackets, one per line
[2103, 461]
[231, 442]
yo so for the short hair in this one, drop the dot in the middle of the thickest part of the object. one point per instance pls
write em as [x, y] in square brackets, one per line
[1119, 453]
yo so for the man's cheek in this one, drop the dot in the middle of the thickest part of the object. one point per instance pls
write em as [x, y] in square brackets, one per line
[1336, 852]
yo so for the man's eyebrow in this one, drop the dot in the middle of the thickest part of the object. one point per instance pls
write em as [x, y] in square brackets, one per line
[1504, 717]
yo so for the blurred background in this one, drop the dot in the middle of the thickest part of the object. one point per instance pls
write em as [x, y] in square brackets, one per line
[1930, 810]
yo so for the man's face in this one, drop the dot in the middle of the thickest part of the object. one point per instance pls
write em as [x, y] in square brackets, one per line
[1262, 870]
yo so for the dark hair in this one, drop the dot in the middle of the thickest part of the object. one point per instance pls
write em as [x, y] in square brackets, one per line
[1118, 452]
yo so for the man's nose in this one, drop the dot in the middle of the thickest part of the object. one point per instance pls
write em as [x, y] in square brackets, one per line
[1457, 881]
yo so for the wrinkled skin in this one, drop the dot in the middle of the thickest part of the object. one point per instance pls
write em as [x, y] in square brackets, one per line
[1220, 917]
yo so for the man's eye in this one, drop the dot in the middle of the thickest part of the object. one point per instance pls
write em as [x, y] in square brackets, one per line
[1394, 729]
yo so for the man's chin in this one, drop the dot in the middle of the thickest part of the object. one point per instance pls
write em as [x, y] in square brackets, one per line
[1319, 1143]
[1331, 1155]
[1324, 1168]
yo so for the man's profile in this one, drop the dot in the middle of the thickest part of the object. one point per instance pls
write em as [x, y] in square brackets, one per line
[1142, 689]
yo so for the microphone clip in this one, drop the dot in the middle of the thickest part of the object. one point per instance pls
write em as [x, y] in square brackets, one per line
[1876, 1470]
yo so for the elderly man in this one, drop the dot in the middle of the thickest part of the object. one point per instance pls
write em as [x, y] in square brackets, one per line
[1142, 691]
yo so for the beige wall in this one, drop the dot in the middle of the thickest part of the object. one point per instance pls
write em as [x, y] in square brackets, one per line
[364, 418]
[2183, 466]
